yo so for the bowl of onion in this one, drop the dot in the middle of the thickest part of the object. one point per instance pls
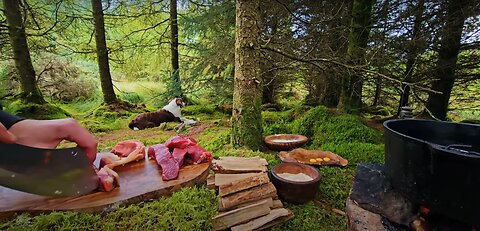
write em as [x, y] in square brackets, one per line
[295, 182]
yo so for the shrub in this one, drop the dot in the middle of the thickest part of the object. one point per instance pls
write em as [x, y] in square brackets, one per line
[132, 97]
[62, 80]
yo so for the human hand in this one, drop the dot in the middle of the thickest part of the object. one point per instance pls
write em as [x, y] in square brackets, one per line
[6, 136]
[49, 133]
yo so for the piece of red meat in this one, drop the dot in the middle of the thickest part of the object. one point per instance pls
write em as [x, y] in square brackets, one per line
[180, 141]
[124, 152]
[179, 155]
[198, 154]
[124, 148]
[107, 179]
[166, 161]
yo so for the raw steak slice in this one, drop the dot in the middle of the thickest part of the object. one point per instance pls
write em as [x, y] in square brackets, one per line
[180, 141]
[107, 179]
[179, 155]
[199, 154]
[166, 160]
[125, 148]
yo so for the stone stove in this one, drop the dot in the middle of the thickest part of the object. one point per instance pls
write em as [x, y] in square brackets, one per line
[374, 205]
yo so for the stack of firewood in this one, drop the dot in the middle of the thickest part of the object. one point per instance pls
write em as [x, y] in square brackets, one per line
[249, 200]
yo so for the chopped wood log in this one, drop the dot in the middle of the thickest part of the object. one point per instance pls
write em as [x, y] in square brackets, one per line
[221, 179]
[277, 221]
[268, 200]
[261, 221]
[240, 215]
[276, 204]
[254, 159]
[211, 181]
[238, 166]
[239, 185]
[253, 194]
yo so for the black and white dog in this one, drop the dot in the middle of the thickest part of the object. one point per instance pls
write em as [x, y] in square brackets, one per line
[170, 113]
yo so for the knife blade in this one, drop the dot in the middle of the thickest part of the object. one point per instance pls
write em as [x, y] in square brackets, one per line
[49, 172]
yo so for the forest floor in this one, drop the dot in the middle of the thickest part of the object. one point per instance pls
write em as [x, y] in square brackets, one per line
[191, 208]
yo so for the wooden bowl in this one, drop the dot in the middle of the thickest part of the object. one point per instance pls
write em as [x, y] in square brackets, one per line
[294, 191]
[285, 142]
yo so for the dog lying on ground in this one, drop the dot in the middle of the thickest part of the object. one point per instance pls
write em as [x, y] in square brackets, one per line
[170, 113]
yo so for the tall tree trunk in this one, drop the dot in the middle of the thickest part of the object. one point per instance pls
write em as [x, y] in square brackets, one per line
[268, 94]
[109, 96]
[444, 73]
[337, 40]
[176, 84]
[351, 95]
[21, 54]
[412, 54]
[247, 96]
[378, 91]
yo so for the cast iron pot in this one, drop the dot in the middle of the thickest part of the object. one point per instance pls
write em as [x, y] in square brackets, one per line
[437, 165]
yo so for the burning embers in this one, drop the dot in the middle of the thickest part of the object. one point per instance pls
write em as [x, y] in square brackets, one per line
[374, 205]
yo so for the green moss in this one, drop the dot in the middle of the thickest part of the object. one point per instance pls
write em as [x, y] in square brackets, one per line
[344, 129]
[311, 216]
[189, 209]
[199, 109]
[214, 139]
[357, 152]
[314, 117]
[336, 184]
[37, 111]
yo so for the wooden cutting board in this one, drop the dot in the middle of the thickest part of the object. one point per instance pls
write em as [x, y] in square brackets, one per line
[139, 181]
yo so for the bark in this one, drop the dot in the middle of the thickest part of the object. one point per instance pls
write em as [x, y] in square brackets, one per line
[378, 91]
[412, 53]
[176, 84]
[444, 73]
[109, 96]
[337, 40]
[351, 94]
[247, 95]
[21, 54]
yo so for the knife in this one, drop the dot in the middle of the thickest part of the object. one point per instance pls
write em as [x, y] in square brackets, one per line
[49, 172]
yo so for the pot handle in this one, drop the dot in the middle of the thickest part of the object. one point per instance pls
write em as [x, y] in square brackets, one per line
[457, 148]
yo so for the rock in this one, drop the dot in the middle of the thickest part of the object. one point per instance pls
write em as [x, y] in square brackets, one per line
[360, 219]
[373, 192]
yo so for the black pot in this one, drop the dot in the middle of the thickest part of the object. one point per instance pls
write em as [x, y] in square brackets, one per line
[437, 165]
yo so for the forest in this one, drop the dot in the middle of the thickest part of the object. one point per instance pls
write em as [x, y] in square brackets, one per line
[330, 70]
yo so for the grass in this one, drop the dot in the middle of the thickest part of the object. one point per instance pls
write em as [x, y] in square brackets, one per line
[192, 208]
